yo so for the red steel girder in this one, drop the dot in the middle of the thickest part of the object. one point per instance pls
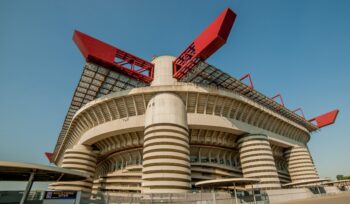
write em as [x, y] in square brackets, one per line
[251, 85]
[114, 58]
[300, 110]
[208, 42]
[280, 97]
[326, 119]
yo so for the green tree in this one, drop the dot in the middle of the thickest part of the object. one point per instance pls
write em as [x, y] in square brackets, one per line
[340, 177]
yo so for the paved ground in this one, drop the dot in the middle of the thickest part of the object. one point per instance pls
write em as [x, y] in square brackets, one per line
[342, 198]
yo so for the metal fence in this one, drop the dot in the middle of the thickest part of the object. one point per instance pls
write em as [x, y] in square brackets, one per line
[185, 198]
[217, 197]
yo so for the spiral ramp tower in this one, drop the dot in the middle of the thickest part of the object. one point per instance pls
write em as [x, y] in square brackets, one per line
[182, 122]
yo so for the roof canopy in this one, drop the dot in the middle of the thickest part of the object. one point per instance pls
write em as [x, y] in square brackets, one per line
[346, 181]
[228, 182]
[306, 182]
[16, 171]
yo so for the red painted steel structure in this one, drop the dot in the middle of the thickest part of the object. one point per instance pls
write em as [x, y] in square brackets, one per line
[208, 42]
[300, 110]
[251, 85]
[49, 156]
[280, 97]
[326, 119]
[108, 56]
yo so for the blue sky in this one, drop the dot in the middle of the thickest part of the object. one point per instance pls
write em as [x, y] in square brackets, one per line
[300, 49]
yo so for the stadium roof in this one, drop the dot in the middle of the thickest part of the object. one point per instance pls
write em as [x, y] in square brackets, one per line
[95, 81]
[207, 74]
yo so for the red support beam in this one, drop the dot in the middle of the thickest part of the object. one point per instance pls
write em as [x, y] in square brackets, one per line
[280, 97]
[207, 43]
[326, 119]
[250, 80]
[300, 110]
[114, 58]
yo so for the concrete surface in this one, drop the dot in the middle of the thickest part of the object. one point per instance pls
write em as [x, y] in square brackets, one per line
[341, 198]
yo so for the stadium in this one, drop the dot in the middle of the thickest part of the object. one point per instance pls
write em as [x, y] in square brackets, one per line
[167, 125]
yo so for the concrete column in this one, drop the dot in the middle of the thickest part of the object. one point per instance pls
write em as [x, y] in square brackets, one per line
[257, 160]
[300, 164]
[163, 71]
[79, 158]
[166, 155]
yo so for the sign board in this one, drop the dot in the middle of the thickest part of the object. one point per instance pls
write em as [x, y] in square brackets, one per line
[62, 197]
[50, 195]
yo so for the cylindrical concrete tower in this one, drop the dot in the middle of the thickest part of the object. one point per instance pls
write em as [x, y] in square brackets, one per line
[166, 162]
[300, 164]
[257, 160]
[163, 71]
[79, 158]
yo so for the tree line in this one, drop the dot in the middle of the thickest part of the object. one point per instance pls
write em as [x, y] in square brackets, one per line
[342, 177]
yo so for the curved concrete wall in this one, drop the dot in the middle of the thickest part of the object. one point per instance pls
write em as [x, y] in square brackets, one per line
[80, 158]
[121, 108]
[120, 172]
[300, 164]
[257, 160]
[166, 163]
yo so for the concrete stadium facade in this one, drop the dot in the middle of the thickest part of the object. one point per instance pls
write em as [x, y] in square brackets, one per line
[165, 137]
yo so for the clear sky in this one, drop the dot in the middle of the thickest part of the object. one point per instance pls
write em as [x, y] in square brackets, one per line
[298, 48]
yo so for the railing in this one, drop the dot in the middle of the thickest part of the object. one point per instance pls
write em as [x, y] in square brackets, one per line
[183, 198]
